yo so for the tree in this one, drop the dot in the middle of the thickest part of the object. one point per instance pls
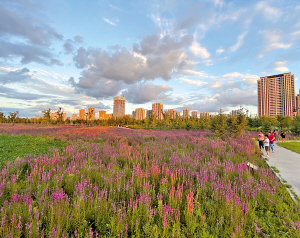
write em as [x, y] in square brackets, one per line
[2, 117]
[47, 115]
[60, 113]
[13, 116]
[296, 125]
[241, 122]
[286, 122]
[218, 124]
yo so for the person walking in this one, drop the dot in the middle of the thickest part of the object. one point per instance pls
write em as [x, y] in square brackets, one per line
[261, 140]
[283, 136]
[276, 135]
[267, 145]
[271, 137]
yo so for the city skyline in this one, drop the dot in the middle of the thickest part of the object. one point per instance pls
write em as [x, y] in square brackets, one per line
[203, 56]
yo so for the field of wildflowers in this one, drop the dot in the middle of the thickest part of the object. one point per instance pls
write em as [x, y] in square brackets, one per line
[113, 182]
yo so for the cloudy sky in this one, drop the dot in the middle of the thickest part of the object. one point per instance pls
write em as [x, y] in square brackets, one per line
[203, 55]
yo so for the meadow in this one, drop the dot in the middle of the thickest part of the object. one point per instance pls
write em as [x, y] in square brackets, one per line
[114, 182]
[293, 146]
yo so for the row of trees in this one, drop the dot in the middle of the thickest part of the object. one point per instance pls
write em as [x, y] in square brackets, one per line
[221, 124]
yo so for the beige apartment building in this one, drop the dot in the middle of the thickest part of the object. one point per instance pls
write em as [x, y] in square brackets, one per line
[91, 114]
[119, 106]
[139, 114]
[157, 110]
[64, 116]
[104, 116]
[74, 117]
[194, 114]
[276, 95]
[171, 113]
[54, 116]
[204, 114]
[186, 113]
[81, 114]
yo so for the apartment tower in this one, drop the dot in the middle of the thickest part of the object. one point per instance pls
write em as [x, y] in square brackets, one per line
[204, 114]
[171, 113]
[276, 95]
[91, 114]
[74, 117]
[186, 113]
[157, 110]
[64, 116]
[119, 106]
[148, 114]
[139, 114]
[298, 104]
[194, 114]
[81, 114]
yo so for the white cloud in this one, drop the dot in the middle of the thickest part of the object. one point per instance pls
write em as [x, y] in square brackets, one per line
[7, 69]
[192, 82]
[196, 73]
[220, 50]
[272, 40]
[239, 42]
[109, 22]
[250, 78]
[218, 3]
[208, 62]
[280, 66]
[115, 7]
[270, 13]
[164, 25]
[199, 51]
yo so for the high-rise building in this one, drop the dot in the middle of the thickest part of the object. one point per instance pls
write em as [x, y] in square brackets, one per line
[171, 113]
[133, 114]
[298, 104]
[234, 112]
[204, 114]
[186, 113]
[139, 114]
[157, 110]
[91, 114]
[102, 115]
[148, 114]
[54, 116]
[119, 106]
[177, 114]
[74, 117]
[64, 116]
[81, 114]
[276, 95]
[194, 114]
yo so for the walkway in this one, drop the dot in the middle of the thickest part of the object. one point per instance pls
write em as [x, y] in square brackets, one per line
[288, 164]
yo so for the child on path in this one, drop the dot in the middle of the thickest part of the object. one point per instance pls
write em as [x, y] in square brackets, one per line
[267, 144]
[271, 137]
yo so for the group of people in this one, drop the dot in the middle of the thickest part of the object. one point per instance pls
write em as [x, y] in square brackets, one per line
[267, 141]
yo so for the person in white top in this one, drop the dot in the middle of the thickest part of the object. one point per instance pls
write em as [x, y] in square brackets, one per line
[267, 145]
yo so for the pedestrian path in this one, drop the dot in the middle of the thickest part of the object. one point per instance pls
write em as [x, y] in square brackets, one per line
[288, 164]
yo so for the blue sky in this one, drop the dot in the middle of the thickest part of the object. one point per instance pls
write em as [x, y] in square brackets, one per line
[202, 55]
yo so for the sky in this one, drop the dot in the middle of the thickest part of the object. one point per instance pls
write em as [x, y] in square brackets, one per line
[203, 55]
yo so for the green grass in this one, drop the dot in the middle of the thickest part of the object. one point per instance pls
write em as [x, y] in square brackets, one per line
[293, 146]
[13, 146]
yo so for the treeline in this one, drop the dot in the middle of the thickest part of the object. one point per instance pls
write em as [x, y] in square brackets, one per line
[221, 124]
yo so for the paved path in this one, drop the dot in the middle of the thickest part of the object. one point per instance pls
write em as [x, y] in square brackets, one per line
[288, 164]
